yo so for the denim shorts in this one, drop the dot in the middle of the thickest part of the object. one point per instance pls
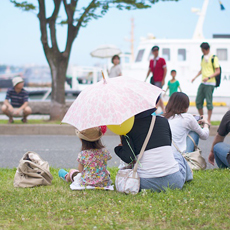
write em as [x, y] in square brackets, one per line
[172, 181]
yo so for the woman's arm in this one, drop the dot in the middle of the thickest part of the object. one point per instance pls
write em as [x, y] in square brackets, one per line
[192, 124]
[126, 151]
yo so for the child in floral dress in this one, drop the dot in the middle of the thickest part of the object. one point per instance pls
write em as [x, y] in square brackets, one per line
[92, 168]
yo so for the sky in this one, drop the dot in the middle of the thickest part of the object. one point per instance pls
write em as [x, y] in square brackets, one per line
[20, 35]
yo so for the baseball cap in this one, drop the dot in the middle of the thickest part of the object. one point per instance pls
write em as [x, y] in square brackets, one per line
[155, 48]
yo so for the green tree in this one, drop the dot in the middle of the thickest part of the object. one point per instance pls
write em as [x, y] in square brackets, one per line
[76, 17]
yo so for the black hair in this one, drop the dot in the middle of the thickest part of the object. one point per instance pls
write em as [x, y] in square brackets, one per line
[205, 46]
[155, 47]
[115, 56]
[177, 104]
[87, 145]
[173, 70]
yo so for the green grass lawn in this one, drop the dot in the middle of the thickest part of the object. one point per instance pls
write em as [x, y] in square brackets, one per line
[215, 123]
[201, 204]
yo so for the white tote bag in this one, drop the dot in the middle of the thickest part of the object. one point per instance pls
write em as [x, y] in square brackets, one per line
[127, 180]
[194, 159]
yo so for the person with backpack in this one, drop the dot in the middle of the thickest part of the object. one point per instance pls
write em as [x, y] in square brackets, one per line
[210, 70]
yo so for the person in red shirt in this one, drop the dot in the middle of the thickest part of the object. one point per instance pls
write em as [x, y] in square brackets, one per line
[157, 66]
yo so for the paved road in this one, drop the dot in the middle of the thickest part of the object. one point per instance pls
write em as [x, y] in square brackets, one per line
[61, 151]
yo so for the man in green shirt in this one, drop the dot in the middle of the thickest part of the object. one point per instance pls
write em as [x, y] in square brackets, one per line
[209, 71]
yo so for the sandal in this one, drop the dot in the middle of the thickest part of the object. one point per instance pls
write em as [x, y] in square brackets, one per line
[73, 174]
[11, 120]
[24, 120]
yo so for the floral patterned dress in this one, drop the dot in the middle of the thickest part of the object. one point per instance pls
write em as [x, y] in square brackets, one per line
[95, 167]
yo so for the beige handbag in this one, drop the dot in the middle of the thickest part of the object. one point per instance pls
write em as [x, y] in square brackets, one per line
[32, 171]
[194, 159]
[127, 180]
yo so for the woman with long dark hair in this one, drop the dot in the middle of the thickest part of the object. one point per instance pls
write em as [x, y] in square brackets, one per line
[183, 123]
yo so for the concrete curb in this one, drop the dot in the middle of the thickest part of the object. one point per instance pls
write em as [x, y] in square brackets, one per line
[52, 129]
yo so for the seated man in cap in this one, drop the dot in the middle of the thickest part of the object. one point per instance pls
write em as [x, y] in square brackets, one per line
[16, 102]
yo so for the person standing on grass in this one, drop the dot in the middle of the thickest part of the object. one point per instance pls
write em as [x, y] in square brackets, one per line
[16, 102]
[209, 71]
[220, 151]
[115, 70]
[157, 66]
[173, 84]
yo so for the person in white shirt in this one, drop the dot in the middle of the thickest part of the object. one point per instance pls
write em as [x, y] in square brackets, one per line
[115, 70]
[183, 123]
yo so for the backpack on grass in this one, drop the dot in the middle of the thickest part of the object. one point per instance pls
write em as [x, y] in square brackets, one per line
[32, 171]
[218, 77]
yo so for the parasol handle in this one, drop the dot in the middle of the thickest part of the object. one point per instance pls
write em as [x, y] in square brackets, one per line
[103, 77]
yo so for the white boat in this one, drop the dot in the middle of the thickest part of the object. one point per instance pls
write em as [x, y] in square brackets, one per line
[183, 55]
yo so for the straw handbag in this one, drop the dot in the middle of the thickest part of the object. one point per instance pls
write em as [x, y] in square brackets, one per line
[194, 159]
[127, 180]
[32, 171]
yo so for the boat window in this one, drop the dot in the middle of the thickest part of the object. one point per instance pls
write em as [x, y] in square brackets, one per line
[166, 54]
[181, 54]
[140, 55]
[222, 54]
[150, 55]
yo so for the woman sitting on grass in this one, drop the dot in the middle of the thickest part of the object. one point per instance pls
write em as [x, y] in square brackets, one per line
[92, 167]
[158, 168]
[183, 124]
